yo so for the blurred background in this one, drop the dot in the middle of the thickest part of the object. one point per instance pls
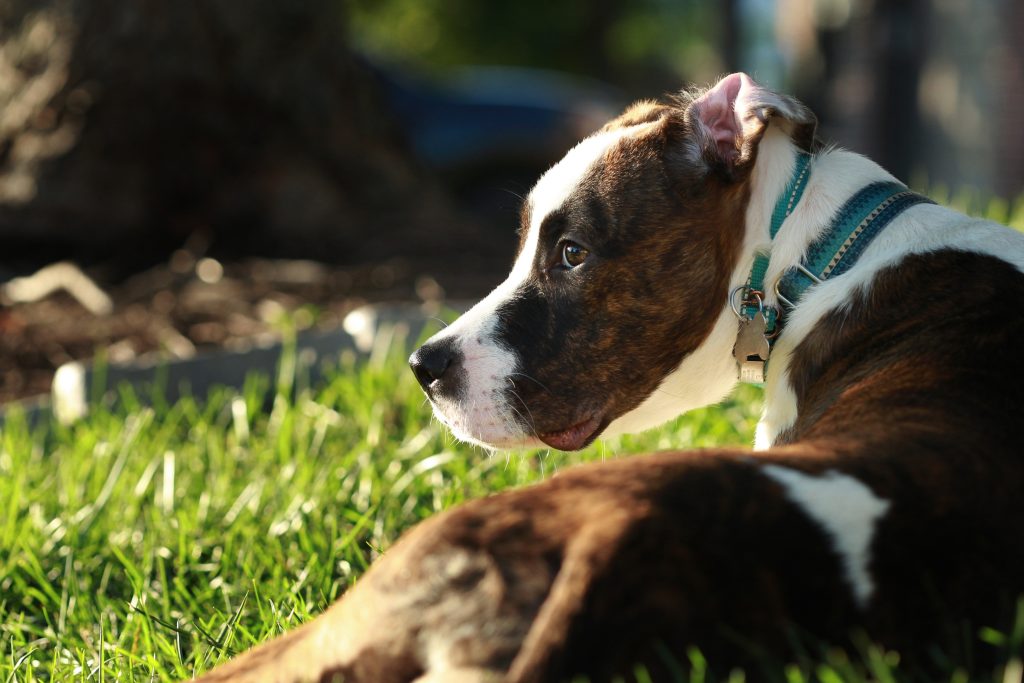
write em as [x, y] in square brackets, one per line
[176, 175]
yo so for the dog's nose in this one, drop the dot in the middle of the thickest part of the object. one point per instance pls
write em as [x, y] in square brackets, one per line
[431, 361]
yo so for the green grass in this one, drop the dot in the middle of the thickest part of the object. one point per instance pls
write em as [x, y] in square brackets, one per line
[152, 541]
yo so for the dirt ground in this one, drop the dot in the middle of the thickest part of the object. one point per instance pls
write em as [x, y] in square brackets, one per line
[190, 304]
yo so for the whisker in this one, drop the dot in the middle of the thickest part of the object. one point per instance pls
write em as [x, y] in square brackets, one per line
[531, 423]
[532, 379]
[514, 194]
[523, 417]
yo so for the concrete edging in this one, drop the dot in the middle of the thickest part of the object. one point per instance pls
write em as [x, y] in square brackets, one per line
[365, 329]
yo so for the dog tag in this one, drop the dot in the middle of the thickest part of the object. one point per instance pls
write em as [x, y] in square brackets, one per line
[752, 349]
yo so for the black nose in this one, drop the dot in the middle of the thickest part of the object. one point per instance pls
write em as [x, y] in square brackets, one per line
[431, 361]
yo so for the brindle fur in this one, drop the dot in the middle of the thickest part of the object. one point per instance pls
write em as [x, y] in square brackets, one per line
[616, 563]
[661, 234]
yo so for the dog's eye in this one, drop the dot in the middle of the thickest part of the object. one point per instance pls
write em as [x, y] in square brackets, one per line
[573, 254]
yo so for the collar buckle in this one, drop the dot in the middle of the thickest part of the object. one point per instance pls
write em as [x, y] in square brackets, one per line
[758, 326]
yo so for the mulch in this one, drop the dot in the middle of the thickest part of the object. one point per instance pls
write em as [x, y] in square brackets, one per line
[190, 304]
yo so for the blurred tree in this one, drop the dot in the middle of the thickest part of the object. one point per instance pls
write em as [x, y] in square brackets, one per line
[643, 46]
[126, 126]
[931, 90]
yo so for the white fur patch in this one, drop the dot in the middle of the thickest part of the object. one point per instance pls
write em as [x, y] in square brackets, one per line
[704, 377]
[847, 510]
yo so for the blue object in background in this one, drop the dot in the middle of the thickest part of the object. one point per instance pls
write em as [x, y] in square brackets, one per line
[489, 132]
[496, 116]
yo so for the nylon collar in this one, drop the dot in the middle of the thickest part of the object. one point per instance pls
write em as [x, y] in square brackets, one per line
[862, 218]
[752, 299]
[852, 229]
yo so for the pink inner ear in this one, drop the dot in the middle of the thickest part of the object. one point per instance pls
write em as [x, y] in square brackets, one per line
[717, 111]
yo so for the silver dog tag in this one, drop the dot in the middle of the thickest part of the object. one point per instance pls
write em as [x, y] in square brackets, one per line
[752, 349]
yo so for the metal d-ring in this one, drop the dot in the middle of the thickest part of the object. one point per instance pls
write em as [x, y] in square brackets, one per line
[780, 296]
[753, 293]
[814, 278]
[732, 300]
[802, 269]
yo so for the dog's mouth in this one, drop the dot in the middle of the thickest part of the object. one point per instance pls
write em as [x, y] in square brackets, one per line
[575, 437]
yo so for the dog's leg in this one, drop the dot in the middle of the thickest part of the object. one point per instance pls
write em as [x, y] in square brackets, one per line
[545, 643]
[347, 643]
[589, 572]
[522, 582]
[450, 602]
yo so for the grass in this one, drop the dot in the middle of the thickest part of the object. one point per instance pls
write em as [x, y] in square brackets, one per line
[152, 541]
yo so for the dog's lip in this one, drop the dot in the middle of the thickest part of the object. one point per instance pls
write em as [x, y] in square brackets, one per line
[575, 437]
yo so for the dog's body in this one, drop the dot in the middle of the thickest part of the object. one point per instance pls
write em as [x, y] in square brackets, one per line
[886, 496]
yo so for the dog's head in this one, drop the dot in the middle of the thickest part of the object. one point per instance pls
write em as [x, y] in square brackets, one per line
[615, 312]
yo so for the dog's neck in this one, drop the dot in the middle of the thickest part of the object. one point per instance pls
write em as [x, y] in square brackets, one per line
[709, 374]
[835, 176]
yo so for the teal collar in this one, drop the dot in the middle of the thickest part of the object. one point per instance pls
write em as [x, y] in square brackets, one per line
[854, 226]
[752, 300]
[862, 218]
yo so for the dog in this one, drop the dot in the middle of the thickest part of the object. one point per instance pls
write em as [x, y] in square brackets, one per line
[685, 246]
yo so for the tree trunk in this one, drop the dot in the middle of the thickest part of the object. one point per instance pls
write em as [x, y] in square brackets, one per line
[127, 125]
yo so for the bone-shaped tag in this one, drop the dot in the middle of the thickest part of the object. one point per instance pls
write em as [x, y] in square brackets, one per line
[752, 349]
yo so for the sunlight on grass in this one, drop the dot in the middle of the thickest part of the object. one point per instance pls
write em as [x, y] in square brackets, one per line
[152, 541]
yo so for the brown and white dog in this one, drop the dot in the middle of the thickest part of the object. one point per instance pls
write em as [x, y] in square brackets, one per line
[886, 494]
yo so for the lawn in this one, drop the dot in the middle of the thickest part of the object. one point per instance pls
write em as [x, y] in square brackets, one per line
[152, 541]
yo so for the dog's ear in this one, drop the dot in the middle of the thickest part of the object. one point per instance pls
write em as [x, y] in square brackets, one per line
[731, 118]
